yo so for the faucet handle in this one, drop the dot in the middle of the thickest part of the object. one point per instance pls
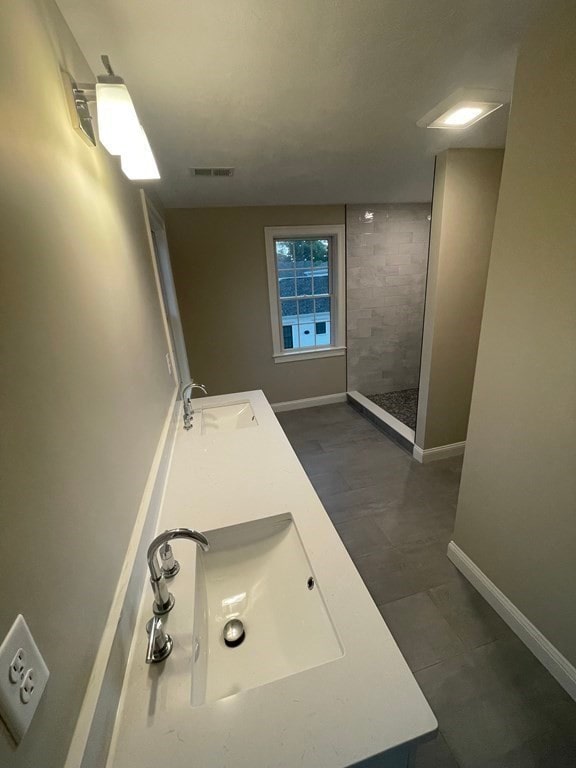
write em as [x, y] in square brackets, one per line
[159, 642]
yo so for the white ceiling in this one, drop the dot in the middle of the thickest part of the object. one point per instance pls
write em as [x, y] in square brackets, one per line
[312, 101]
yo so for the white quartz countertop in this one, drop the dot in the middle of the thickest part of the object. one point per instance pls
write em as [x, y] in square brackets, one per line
[333, 715]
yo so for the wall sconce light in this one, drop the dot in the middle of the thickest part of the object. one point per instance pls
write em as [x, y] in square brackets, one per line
[119, 129]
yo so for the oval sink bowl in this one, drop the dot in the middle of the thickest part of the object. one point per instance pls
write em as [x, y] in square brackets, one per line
[226, 418]
[257, 572]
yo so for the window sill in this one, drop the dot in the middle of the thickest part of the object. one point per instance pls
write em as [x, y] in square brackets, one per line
[292, 357]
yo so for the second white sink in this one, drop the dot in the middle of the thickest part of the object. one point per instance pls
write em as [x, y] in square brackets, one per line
[226, 418]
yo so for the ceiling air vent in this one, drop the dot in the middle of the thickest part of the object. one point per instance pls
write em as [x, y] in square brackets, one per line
[212, 171]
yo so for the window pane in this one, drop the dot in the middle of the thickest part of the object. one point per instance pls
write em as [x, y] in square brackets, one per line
[306, 307]
[322, 319]
[286, 283]
[295, 337]
[321, 280]
[322, 307]
[303, 282]
[323, 334]
[289, 309]
[307, 335]
[284, 253]
[327, 337]
[320, 252]
[288, 337]
[303, 253]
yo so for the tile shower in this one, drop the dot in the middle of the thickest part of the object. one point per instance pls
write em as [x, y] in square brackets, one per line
[387, 260]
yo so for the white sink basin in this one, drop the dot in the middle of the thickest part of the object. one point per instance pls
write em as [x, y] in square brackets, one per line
[226, 418]
[259, 573]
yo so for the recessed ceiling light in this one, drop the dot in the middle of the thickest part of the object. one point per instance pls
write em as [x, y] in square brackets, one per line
[461, 116]
[465, 114]
[462, 109]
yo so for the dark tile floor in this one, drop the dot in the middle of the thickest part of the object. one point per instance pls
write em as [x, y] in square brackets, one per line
[496, 704]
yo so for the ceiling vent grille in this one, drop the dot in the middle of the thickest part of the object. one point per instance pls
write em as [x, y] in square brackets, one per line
[212, 171]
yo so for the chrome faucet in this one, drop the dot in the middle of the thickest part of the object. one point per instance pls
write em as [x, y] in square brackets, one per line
[187, 401]
[159, 642]
[163, 599]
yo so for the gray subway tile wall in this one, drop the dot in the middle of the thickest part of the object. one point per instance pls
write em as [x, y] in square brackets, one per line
[386, 281]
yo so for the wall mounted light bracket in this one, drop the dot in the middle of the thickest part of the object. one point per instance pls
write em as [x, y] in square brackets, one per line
[110, 78]
[82, 95]
[78, 96]
[119, 129]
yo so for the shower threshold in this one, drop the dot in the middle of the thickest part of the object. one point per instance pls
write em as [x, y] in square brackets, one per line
[389, 424]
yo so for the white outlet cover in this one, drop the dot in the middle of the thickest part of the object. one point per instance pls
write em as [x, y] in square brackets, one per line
[14, 711]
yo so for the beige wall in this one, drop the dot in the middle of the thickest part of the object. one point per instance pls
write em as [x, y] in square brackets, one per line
[219, 262]
[85, 388]
[466, 187]
[517, 509]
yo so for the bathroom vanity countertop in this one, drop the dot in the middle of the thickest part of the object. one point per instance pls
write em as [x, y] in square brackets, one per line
[360, 705]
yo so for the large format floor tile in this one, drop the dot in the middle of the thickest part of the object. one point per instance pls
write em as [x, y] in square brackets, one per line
[421, 631]
[494, 699]
[496, 705]
[405, 570]
[357, 502]
[469, 615]
[434, 754]
[362, 536]
[414, 520]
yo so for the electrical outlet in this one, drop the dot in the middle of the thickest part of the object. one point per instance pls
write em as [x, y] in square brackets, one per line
[17, 666]
[27, 686]
[23, 677]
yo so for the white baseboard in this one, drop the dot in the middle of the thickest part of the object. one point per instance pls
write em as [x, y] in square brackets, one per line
[309, 402]
[424, 455]
[557, 664]
[93, 730]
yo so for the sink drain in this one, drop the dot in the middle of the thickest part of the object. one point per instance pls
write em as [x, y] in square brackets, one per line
[234, 633]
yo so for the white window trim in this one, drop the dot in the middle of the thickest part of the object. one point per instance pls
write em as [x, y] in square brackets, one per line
[338, 234]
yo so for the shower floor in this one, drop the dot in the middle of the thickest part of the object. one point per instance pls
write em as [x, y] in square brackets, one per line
[402, 405]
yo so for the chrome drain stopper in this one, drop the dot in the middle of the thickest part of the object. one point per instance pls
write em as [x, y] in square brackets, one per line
[234, 633]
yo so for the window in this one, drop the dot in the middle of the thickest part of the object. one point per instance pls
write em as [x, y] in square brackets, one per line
[288, 337]
[306, 284]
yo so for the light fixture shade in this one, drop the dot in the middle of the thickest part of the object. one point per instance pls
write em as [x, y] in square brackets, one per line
[138, 162]
[118, 124]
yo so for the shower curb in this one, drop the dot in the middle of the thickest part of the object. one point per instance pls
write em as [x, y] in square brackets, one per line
[388, 427]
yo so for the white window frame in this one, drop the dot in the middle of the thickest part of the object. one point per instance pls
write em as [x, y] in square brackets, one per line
[337, 235]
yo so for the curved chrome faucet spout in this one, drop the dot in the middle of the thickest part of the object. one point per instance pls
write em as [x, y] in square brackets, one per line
[163, 599]
[187, 401]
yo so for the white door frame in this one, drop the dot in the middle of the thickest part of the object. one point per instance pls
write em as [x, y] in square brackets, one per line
[158, 243]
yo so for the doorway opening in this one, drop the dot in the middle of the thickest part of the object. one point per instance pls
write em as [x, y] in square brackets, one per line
[387, 264]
